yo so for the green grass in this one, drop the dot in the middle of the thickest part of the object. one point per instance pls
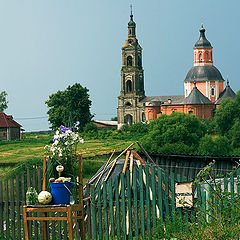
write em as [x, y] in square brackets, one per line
[31, 149]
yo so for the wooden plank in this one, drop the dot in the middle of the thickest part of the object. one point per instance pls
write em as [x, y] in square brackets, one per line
[99, 207]
[111, 208]
[1, 209]
[18, 212]
[238, 180]
[44, 184]
[160, 195]
[115, 160]
[145, 152]
[135, 202]
[225, 183]
[124, 169]
[117, 208]
[179, 210]
[59, 227]
[7, 208]
[106, 165]
[123, 206]
[173, 204]
[166, 200]
[12, 208]
[94, 217]
[129, 204]
[154, 215]
[35, 225]
[148, 201]
[232, 186]
[89, 214]
[23, 196]
[65, 227]
[141, 202]
[39, 180]
[105, 211]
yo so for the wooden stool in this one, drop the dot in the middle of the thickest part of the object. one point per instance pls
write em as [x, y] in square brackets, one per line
[73, 212]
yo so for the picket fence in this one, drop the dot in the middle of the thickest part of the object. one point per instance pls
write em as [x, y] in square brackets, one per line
[132, 212]
[13, 198]
[135, 213]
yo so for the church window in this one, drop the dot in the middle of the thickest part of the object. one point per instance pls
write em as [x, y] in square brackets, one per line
[128, 104]
[200, 57]
[190, 112]
[129, 86]
[212, 91]
[139, 61]
[143, 117]
[130, 31]
[129, 61]
[128, 119]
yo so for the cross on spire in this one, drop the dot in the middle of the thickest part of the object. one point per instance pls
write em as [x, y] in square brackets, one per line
[131, 16]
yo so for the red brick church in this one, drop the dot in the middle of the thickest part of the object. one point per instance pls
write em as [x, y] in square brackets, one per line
[203, 85]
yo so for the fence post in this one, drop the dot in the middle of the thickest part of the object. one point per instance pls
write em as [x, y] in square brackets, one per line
[141, 201]
[89, 215]
[1, 209]
[94, 218]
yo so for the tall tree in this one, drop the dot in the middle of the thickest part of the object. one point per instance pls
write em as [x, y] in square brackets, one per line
[71, 106]
[175, 133]
[3, 101]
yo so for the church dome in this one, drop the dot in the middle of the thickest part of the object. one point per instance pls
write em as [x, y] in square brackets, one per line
[202, 41]
[203, 73]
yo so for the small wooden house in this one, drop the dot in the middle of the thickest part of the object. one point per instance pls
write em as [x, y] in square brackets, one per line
[9, 129]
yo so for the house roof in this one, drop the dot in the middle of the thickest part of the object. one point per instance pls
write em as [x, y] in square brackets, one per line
[203, 73]
[176, 99]
[226, 93]
[108, 123]
[196, 97]
[202, 41]
[7, 121]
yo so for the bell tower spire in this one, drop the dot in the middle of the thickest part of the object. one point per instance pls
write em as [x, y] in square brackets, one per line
[130, 107]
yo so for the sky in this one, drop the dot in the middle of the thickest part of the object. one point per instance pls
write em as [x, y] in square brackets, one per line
[47, 45]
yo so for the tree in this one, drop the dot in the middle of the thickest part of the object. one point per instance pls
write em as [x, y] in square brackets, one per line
[214, 145]
[3, 101]
[68, 107]
[175, 133]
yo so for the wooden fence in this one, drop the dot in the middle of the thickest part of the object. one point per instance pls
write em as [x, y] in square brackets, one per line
[134, 212]
[146, 198]
[13, 197]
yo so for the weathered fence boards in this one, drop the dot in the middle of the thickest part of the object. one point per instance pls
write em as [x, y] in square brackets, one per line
[135, 212]
[13, 198]
[189, 165]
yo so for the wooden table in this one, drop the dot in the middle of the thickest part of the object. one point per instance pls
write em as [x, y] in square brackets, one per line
[73, 213]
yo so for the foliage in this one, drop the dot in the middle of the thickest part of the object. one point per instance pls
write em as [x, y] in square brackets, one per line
[114, 119]
[219, 220]
[178, 132]
[3, 101]
[63, 151]
[68, 107]
[210, 145]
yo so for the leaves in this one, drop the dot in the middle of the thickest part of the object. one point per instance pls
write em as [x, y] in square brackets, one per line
[3, 101]
[68, 107]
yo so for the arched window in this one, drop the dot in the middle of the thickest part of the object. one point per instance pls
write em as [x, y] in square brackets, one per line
[128, 119]
[200, 57]
[143, 117]
[130, 31]
[139, 61]
[128, 104]
[129, 86]
[129, 61]
[190, 112]
[212, 91]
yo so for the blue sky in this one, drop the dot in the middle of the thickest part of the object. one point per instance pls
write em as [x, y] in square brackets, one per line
[46, 45]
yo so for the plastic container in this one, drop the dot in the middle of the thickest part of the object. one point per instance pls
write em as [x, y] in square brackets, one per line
[61, 192]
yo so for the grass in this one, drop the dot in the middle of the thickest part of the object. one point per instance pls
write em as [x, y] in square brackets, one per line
[31, 149]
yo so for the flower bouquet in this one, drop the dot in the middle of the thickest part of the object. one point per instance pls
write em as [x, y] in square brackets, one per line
[61, 164]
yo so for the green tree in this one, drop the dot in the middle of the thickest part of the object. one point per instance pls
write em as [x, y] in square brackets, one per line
[217, 145]
[175, 133]
[3, 101]
[70, 106]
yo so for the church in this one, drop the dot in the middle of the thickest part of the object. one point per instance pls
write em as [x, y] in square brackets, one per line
[203, 86]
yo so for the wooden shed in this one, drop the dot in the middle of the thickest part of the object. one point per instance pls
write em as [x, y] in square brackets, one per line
[9, 129]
